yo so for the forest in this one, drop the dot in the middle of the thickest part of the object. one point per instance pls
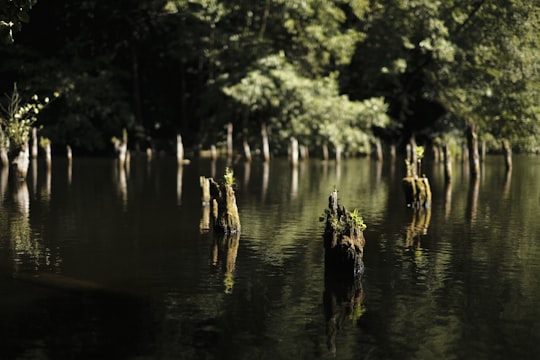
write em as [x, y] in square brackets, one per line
[337, 77]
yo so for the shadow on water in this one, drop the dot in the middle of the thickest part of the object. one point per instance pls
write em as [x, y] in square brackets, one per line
[63, 317]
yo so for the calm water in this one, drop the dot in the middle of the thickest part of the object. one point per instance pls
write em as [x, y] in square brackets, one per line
[129, 270]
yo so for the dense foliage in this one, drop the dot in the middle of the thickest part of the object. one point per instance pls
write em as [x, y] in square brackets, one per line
[343, 72]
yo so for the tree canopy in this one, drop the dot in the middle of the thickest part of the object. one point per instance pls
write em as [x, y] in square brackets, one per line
[339, 72]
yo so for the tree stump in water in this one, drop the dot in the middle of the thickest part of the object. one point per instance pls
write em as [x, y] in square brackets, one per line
[343, 240]
[417, 191]
[225, 212]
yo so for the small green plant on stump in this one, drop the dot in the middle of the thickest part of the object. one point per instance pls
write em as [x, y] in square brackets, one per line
[343, 239]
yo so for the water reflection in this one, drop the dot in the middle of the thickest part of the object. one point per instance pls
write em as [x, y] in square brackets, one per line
[265, 178]
[417, 228]
[179, 176]
[343, 303]
[4, 175]
[472, 200]
[224, 252]
[122, 185]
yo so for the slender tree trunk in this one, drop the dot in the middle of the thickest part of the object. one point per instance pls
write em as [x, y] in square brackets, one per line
[326, 155]
[179, 149]
[294, 151]
[393, 152]
[338, 153]
[247, 149]
[34, 143]
[48, 156]
[474, 158]
[266, 146]
[22, 162]
[447, 163]
[378, 150]
[230, 140]
[507, 151]
[483, 151]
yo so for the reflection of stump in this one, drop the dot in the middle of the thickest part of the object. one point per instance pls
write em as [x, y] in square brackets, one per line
[417, 191]
[343, 300]
[226, 217]
[418, 227]
[224, 251]
[343, 240]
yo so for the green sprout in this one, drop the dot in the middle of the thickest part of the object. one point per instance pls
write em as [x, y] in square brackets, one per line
[229, 176]
[419, 152]
[356, 220]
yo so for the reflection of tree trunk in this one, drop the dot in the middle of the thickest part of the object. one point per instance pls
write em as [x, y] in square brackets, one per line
[447, 163]
[247, 173]
[436, 154]
[507, 151]
[447, 199]
[4, 174]
[472, 201]
[266, 146]
[418, 226]
[204, 224]
[343, 301]
[179, 180]
[474, 158]
[483, 151]
[265, 179]
[507, 182]
[294, 182]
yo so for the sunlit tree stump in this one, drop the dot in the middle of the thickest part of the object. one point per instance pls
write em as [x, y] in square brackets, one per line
[225, 212]
[417, 191]
[205, 189]
[343, 240]
[21, 162]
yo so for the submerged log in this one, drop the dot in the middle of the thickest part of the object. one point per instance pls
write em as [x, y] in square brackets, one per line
[343, 240]
[417, 191]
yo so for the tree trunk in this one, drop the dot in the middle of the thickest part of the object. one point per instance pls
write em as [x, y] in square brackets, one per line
[294, 151]
[338, 153]
[343, 241]
[48, 156]
[447, 163]
[266, 146]
[326, 155]
[225, 210]
[230, 140]
[34, 143]
[393, 152]
[378, 150]
[507, 151]
[247, 150]
[213, 152]
[21, 162]
[179, 149]
[474, 158]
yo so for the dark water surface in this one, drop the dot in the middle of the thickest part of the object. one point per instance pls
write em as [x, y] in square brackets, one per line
[96, 263]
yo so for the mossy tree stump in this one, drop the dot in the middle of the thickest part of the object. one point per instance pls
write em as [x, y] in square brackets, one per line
[225, 212]
[343, 240]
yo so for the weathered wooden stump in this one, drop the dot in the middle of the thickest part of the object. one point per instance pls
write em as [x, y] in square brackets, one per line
[343, 240]
[225, 212]
[417, 191]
